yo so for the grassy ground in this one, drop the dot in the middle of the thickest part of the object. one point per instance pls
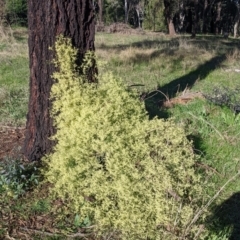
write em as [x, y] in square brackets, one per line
[160, 68]
[13, 76]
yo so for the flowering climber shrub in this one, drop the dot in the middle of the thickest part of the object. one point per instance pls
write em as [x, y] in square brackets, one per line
[126, 173]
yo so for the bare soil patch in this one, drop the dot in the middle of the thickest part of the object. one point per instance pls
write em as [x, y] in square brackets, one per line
[11, 142]
[119, 28]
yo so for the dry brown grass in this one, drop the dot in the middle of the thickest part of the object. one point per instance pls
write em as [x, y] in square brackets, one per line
[233, 56]
[9, 45]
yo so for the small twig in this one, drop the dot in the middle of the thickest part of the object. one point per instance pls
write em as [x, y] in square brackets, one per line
[159, 92]
[199, 213]
[208, 124]
[78, 235]
[150, 96]
[136, 85]
[174, 194]
[208, 168]
[39, 232]
[74, 235]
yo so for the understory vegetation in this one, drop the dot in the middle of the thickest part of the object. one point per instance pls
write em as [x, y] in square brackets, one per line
[176, 100]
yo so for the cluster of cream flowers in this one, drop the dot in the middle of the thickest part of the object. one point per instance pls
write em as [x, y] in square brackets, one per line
[128, 174]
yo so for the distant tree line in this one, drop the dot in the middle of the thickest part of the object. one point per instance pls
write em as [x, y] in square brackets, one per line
[174, 16]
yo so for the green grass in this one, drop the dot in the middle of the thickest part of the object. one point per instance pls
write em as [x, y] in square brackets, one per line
[215, 133]
[153, 62]
[41, 206]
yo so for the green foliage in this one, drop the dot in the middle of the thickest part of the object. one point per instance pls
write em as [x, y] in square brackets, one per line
[17, 178]
[154, 17]
[127, 174]
[13, 105]
[16, 12]
[223, 234]
[224, 96]
[78, 222]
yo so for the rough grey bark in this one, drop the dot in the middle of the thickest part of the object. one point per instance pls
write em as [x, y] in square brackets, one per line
[194, 18]
[126, 10]
[169, 8]
[2, 10]
[236, 21]
[46, 20]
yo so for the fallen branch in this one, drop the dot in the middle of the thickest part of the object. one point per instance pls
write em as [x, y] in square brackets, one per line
[74, 235]
[12, 128]
[199, 213]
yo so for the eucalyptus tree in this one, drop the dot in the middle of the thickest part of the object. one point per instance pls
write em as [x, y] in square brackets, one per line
[113, 11]
[126, 10]
[2, 10]
[231, 14]
[47, 19]
[153, 10]
[16, 11]
[170, 8]
[236, 19]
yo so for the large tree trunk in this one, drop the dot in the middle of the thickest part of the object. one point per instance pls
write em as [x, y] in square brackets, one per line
[194, 18]
[46, 20]
[171, 28]
[100, 13]
[126, 10]
[2, 10]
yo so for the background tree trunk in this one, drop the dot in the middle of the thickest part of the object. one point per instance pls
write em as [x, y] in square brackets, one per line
[236, 21]
[2, 10]
[46, 20]
[100, 13]
[205, 12]
[126, 10]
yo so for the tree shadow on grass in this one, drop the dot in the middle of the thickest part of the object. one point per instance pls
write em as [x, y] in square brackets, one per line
[154, 101]
[227, 215]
